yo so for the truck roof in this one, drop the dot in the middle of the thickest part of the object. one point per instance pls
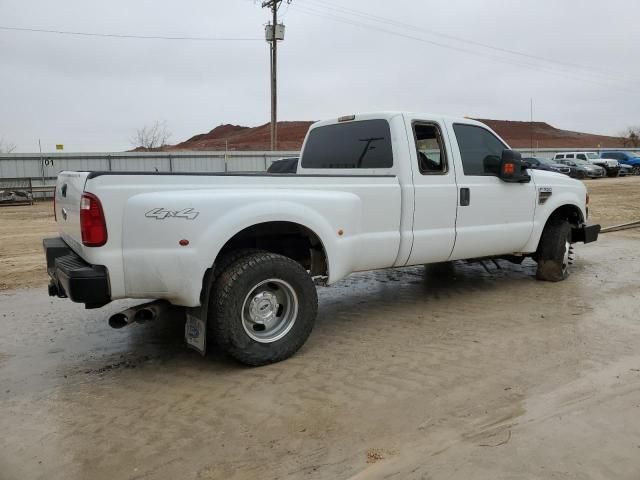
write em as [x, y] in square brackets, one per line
[388, 115]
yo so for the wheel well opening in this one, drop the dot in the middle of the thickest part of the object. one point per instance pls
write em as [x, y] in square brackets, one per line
[570, 213]
[285, 238]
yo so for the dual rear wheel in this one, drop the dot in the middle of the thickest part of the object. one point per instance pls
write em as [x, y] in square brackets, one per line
[262, 307]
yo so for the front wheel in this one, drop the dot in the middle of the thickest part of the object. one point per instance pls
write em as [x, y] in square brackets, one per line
[554, 253]
[635, 170]
[264, 308]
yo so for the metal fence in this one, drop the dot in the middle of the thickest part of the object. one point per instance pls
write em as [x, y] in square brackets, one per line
[43, 169]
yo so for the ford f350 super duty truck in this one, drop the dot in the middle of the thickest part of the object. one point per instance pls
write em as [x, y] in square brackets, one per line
[242, 252]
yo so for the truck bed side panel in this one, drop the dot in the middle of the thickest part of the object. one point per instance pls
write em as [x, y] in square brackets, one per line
[209, 210]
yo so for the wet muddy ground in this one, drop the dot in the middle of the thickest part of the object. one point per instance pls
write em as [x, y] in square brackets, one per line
[406, 375]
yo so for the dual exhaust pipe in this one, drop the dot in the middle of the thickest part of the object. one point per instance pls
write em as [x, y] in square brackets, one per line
[140, 313]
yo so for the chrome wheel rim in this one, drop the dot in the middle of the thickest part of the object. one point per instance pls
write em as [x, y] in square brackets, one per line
[269, 310]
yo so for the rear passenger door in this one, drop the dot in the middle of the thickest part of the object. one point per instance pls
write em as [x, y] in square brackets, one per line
[493, 217]
[435, 193]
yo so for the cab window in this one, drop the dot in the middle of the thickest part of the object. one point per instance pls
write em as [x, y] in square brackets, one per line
[581, 156]
[480, 150]
[570, 155]
[430, 149]
[361, 144]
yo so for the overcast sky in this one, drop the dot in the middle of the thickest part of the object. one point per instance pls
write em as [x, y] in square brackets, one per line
[578, 60]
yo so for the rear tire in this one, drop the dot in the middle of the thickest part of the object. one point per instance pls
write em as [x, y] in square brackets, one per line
[263, 308]
[554, 252]
[223, 263]
[635, 170]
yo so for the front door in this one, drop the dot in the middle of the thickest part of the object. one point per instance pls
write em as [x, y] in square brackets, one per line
[494, 217]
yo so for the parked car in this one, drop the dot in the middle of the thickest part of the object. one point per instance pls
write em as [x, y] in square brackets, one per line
[550, 166]
[625, 158]
[241, 253]
[611, 165]
[284, 165]
[625, 170]
[584, 169]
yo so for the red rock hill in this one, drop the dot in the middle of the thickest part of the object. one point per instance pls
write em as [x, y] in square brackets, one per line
[291, 135]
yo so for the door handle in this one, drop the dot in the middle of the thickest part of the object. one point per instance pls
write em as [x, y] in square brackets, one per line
[465, 197]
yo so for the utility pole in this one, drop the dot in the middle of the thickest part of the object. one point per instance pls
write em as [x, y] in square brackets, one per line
[531, 126]
[274, 33]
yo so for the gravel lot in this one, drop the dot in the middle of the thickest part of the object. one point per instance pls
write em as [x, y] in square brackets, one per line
[407, 375]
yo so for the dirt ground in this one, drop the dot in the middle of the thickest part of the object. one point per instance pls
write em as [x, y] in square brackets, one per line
[614, 200]
[480, 374]
[21, 232]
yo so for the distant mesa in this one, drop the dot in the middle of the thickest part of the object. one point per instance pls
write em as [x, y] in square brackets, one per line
[237, 137]
[291, 135]
[518, 135]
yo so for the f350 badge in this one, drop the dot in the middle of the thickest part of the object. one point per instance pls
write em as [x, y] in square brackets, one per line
[163, 213]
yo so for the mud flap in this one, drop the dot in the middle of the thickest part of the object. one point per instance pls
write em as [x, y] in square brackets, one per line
[195, 329]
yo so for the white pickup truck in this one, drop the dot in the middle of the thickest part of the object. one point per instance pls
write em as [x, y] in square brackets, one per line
[243, 252]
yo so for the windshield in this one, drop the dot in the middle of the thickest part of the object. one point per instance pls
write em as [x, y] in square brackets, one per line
[592, 156]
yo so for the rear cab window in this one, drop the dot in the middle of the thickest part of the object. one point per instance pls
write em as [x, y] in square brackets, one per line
[362, 144]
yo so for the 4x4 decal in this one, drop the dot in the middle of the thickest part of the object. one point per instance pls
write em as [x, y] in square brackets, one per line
[163, 213]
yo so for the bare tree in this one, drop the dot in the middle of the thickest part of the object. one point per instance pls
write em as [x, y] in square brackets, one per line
[151, 136]
[631, 136]
[6, 147]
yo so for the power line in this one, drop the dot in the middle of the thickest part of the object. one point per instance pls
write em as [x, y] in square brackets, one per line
[510, 61]
[327, 5]
[139, 37]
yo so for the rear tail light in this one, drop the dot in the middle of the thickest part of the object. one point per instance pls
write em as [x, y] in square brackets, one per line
[587, 200]
[92, 223]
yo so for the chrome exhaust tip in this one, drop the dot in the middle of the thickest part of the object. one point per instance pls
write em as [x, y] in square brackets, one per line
[141, 313]
[119, 320]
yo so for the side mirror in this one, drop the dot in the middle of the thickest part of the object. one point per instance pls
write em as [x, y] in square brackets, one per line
[512, 168]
